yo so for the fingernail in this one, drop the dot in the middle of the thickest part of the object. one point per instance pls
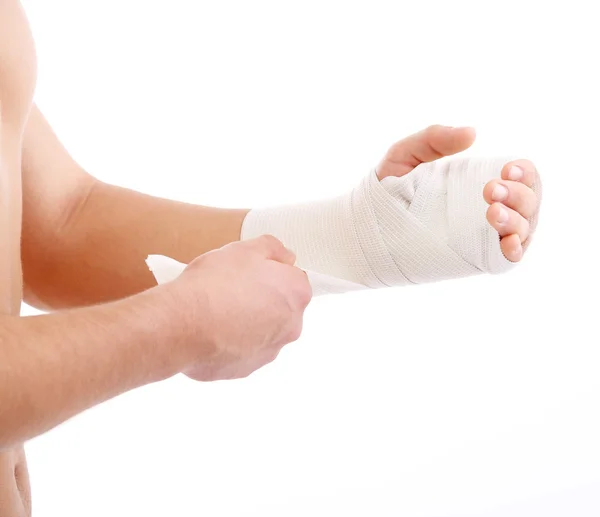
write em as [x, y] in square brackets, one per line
[518, 251]
[502, 216]
[499, 193]
[515, 173]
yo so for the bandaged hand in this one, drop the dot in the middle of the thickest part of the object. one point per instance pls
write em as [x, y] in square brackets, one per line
[416, 218]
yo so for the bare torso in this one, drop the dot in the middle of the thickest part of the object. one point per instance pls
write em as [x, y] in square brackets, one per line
[17, 82]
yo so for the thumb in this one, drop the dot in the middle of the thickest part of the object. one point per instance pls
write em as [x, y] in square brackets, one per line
[425, 146]
[273, 249]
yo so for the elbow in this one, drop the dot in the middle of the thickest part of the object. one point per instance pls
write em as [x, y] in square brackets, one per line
[50, 249]
[74, 203]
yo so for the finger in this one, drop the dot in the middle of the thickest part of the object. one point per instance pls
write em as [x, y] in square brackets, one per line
[511, 247]
[273, 249]
[507, 222]
[425, 146]
[513, 194]
[523, 171]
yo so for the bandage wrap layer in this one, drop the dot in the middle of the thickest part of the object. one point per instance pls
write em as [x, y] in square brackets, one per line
[426, 226]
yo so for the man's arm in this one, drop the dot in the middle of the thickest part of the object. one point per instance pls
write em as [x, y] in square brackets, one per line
[55, 366]
[93, 248]
[85, 242]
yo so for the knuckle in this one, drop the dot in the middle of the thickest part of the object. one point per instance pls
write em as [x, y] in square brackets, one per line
[305, 294]
[523, 199]
[269, 240]
[295, 332]
[301, 287]
[433, 128]
[292, 255]
[274, 354]
[198, 262]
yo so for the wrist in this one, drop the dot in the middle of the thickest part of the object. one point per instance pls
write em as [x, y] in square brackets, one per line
[160, 311]
[181, 316]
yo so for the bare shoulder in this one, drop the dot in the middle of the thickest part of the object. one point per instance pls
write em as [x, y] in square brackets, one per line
[17, 63]
[17, 83]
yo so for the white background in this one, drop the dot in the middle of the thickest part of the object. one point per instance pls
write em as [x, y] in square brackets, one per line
[477, 397]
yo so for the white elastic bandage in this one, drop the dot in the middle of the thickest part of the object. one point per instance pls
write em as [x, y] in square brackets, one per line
[426, 226]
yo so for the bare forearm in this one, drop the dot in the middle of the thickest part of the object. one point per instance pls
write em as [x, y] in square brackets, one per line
[55, 366]
[100, 254]
[85, 242]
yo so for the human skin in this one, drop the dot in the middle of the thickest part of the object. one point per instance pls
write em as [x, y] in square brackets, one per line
[75, 246]
[57, 365]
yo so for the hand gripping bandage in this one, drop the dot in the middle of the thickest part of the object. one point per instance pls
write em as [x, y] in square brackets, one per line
[426, 226]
